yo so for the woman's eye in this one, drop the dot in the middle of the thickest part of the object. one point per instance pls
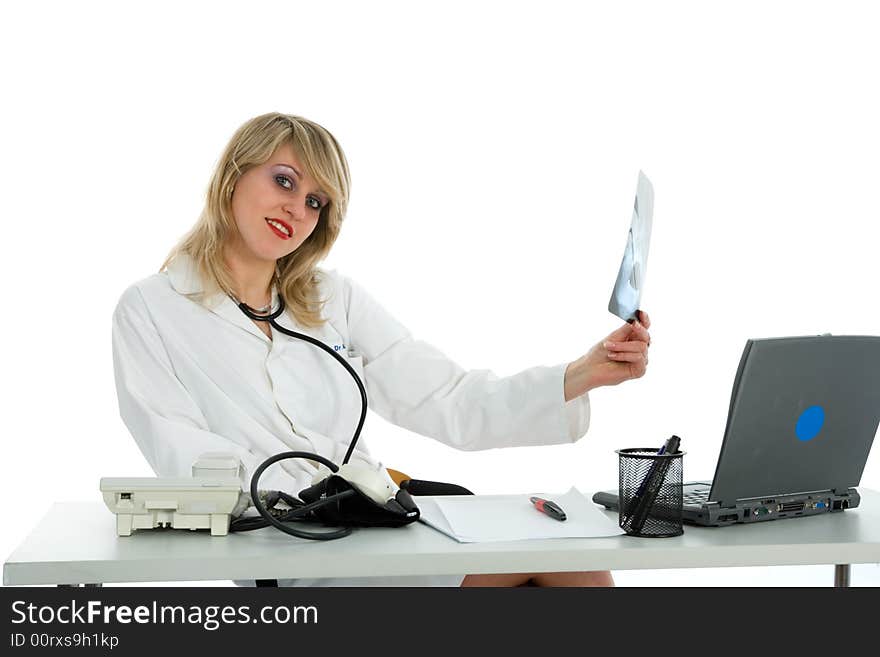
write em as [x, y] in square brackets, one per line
[277, 178]
[313, 203]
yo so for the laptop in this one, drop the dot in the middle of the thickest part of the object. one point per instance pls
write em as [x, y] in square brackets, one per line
[803, 415]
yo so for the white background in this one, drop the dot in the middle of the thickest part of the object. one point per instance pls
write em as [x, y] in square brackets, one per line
[494, 149]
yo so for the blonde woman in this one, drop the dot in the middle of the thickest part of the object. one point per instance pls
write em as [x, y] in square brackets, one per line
[194, 374]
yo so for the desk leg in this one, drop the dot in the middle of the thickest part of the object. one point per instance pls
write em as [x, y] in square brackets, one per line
[841, 575]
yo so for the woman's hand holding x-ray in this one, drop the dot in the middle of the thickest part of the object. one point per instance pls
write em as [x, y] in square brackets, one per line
[623, 355]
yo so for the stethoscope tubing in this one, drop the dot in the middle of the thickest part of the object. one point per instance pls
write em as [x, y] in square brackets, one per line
[255, 479]
[271, 317]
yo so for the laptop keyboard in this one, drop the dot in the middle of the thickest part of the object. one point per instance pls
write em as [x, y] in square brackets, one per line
[696, 495]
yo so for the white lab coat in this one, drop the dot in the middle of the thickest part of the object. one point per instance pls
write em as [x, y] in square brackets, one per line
[192, 379]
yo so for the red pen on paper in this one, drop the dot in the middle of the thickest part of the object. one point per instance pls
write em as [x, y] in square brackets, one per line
[550, 508]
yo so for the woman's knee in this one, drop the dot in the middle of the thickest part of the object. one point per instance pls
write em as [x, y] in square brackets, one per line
[506, 579]
[591, 578]
[585, 578]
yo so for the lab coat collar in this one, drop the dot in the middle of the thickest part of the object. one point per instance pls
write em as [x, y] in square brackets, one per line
[185, 278]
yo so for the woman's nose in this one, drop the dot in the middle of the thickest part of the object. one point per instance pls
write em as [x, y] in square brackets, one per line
[295, 210]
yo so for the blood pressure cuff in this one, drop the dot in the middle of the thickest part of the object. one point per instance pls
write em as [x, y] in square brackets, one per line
[358, 510]
[425, 487]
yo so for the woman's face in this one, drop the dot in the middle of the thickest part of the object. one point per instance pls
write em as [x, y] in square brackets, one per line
[275, 206]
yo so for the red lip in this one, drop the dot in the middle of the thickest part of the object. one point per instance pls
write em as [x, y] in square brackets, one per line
[283, 223]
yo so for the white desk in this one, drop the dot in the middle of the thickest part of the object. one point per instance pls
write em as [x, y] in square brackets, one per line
[76, 543]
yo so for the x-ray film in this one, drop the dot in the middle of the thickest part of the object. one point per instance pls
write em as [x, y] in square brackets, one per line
[627, 294]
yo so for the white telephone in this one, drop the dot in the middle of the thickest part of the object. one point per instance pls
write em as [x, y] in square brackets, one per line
[208, 500]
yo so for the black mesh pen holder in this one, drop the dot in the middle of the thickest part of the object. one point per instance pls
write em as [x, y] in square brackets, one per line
[650, 492]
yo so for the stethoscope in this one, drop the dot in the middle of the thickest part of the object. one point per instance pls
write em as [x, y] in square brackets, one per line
[302, 510]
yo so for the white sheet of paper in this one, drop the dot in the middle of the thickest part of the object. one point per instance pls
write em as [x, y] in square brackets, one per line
[483, 518]
[626, 296]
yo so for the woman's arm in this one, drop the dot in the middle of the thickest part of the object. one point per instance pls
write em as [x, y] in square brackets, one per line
[414, 385]
[167, 425]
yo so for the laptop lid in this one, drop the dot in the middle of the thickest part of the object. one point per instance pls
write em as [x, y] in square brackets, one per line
[803, 415]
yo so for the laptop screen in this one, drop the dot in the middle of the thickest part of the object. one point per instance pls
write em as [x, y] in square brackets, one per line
[803, 415]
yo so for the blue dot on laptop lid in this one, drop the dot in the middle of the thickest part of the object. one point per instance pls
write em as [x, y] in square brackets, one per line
[810, 423]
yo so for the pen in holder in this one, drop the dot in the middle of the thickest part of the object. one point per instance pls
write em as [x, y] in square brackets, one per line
[650, 492]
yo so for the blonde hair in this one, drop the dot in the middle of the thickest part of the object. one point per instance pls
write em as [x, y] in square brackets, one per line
[296, 276]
